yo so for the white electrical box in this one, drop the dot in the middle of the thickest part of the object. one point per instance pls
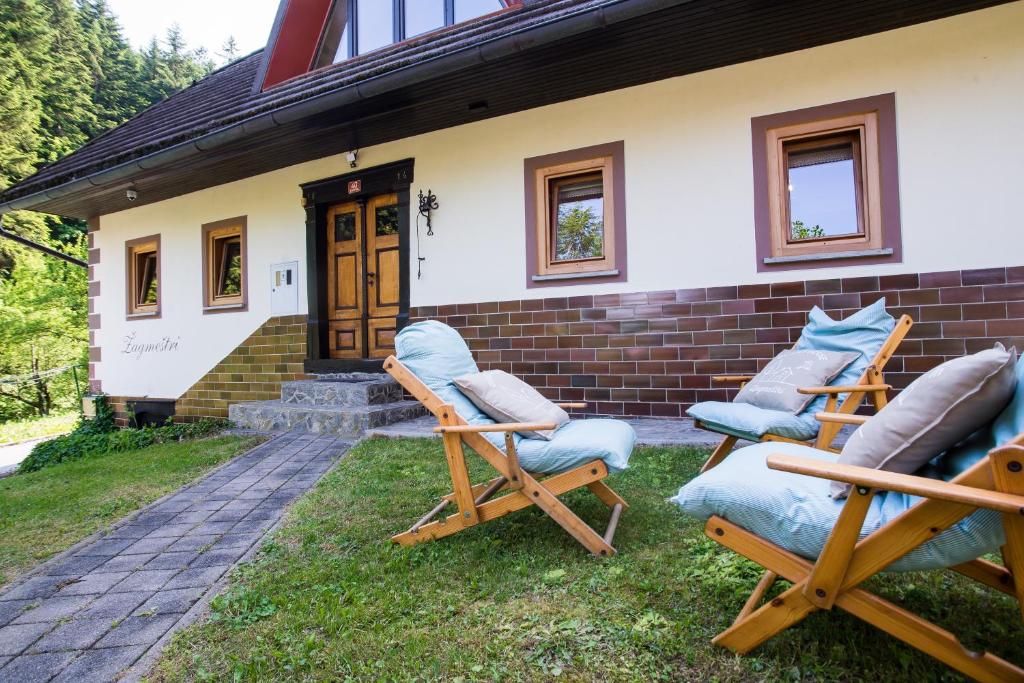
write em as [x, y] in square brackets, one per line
[284, 288]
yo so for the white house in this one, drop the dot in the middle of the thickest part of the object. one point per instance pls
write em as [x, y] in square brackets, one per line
[614, 199]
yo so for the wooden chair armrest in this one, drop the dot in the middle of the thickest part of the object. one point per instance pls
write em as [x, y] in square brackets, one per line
[841, 418]
[901, 483]
[571, 405]
[501, 427]
[845, 389]
[732, 378]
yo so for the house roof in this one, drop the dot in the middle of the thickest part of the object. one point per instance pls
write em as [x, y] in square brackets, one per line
[222, 128]
[227, 96]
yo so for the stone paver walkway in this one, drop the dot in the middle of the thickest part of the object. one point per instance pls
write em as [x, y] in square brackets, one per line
[106, 605]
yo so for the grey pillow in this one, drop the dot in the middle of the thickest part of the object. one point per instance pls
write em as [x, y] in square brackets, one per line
[937, 411]
[775, 387]
[509, 399]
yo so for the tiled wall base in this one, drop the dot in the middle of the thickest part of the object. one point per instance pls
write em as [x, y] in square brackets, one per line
[252, 372]
[653, 353]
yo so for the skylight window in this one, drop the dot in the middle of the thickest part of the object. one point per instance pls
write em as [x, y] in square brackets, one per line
[379, 23]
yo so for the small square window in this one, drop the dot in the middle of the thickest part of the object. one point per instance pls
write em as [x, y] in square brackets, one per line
[825, 186]
[143, 276]
[823, 172]
[576, 217]
[224, 266]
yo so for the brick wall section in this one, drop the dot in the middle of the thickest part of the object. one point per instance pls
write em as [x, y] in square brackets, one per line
[252, 372]
[653, 353]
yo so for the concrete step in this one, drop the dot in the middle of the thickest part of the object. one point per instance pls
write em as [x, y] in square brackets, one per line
[348, 390]
[350, 421]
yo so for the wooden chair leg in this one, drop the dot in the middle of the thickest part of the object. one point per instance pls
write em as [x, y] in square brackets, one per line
[765, 623]
[518, 500]
[988, 573]
[927, 637]
[1008, 474]
[719, 453]
[607, 494]
[768, 580]
[823, 584]
[566, 518]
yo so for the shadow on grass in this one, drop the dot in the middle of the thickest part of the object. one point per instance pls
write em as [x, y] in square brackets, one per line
[331, 598]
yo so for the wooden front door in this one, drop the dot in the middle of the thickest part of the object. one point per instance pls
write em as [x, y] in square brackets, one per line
[363, 277]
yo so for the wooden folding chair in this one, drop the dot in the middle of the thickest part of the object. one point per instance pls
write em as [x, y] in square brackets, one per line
[995, 483]
[871, 384]
[476, 503]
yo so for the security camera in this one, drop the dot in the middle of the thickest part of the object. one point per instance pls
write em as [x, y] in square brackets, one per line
[352, 155]
[131, 194]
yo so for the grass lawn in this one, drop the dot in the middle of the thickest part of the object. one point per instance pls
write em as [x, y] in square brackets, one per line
[330, 598]
[44, 512]
[23, 430]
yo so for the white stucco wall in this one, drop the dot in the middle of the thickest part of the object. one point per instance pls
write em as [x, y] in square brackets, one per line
[959, 87]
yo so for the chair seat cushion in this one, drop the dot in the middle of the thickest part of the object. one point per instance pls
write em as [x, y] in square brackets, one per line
[752, 422]
[436, 354]
[575, 443]
[795, 511]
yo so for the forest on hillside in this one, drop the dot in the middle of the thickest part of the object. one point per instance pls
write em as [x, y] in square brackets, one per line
[67, 74]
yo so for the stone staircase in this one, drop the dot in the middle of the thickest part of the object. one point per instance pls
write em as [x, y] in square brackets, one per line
[343, 404]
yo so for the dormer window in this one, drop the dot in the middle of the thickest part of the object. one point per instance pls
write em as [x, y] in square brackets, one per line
[379, 23]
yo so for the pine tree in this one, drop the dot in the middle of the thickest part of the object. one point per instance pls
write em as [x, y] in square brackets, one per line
[24, 44]
[66, 95]
[229, 51]
[67, 74]
[116, 68]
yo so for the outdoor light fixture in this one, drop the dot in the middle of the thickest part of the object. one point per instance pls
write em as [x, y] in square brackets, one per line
[428, 203]
[351, 156]
[131, 194]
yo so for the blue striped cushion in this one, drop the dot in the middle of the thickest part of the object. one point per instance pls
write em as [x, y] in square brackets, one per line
[751, 422]
[795, 512]
[864, 332]
[436, 354]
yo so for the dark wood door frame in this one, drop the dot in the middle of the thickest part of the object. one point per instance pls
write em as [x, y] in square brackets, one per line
[317, 196]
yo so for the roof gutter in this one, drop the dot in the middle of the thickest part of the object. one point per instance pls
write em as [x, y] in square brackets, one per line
[551, 30]
[4, 232]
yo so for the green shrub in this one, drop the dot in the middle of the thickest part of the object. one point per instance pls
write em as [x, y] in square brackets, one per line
[99, 437]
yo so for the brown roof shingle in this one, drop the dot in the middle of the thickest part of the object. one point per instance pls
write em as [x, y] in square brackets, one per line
[226, 97]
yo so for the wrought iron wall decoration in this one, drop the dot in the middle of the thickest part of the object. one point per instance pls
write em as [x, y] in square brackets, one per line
[428, 204]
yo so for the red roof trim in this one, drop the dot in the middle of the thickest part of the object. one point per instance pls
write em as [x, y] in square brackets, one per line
[294, 47]
[291, 52]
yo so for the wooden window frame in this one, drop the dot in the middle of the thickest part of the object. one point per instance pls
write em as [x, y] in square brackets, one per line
[132, 249]
[541, 173]
[211, 232]
[870, 123]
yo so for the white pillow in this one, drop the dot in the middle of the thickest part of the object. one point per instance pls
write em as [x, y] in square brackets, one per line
[938, 410]
[509, 399]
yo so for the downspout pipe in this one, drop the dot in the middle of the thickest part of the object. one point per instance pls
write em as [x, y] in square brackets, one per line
[49, 251]
[612, 12]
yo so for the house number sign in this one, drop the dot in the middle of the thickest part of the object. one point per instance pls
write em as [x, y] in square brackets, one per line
[355, 186]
